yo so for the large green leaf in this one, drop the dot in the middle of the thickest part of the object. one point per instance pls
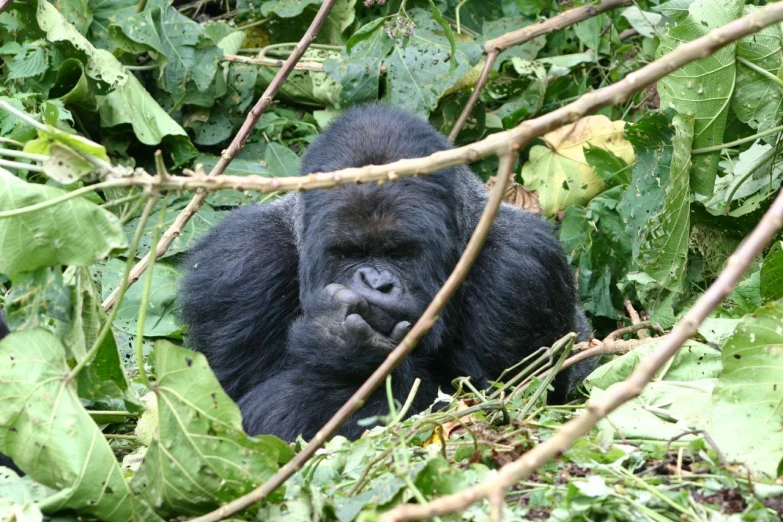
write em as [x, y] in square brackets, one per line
[132, 104]
[48, 433]
[672, 403]
[101, 64]
[200, 458]
[184, 51]
[421, 71]
[703, 88]
[656, 205]
[772, 273]
[74, 232]
[746, 418]
[161, 320]
[758, 99]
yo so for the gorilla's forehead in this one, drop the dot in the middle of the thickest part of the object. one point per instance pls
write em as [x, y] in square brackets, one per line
[395, 212]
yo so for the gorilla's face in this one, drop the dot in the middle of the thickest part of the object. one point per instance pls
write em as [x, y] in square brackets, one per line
[374, 257]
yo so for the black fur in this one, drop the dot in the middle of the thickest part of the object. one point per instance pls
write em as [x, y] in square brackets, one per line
[295, 303]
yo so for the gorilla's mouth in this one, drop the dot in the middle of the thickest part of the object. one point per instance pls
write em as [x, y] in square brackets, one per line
[382, 321]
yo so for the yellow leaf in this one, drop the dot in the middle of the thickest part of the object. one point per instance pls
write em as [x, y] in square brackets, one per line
[559, 171]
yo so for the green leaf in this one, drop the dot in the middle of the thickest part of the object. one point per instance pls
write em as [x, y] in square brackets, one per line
[677, 394]
[772, 274]
[703, 88]
[36, 297]
[419, 73]
[184, 51]
[105, 13]
[74, 232]
[357, 71]
[498, 27]
[132, 104]
[161, 318]
[201, 222]
[48, 433]
[101, 65]
[646, 23]
[31, 61]
[748, 181]
[281, 160]
[758, 98]
[200, 458]
[238, 167]
[598, 245]
[558, 170]
[746, 414]
[286, 8]
[657, 203]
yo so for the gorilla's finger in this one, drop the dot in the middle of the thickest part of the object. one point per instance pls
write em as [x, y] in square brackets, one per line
[363, 332]
[332, 289]
[399, 331]
[351, 300]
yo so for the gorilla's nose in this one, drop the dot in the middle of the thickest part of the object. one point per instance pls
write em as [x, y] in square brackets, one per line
[384, 282]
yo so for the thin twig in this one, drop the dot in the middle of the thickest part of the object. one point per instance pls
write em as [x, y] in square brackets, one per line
[394, 358]
[596, 410]
[93, 351]
[492, 48]
[474, 96]
[236, 144]
[635, 319]
[272, 62]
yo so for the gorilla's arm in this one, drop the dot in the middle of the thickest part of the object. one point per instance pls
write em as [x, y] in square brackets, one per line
[304, 397]
[519, 296]
[241, 294]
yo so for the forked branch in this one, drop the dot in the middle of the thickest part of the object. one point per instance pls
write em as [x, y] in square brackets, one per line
[225, 158]
[596, 410]
[504, 143]
[492, 48]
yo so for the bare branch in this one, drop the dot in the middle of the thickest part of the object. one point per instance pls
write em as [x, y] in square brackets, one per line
[272, 62]
[635, 319]
[237, 143]
[517, 137]
[394, 358]
[492, 48]
[522, 468]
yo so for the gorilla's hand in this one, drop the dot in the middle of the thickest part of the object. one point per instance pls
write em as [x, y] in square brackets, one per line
[336, 332]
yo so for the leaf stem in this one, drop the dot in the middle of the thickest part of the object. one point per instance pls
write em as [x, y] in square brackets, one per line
[106, 328]
[65, 197]
[765, 73]
[21, 154]
[713, 148]
[21, 166]
[145, 298]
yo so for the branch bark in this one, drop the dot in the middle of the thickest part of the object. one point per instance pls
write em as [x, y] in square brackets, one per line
[394, 358]
[492, 48]
[522, 468]
[517, 137]
[225, 158]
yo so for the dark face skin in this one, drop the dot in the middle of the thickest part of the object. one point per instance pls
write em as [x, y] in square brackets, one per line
[375, 261]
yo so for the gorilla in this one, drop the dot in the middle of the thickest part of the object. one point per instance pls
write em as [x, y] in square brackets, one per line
[295, 303]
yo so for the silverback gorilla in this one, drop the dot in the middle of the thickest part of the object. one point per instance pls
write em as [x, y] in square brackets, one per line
[295, 303]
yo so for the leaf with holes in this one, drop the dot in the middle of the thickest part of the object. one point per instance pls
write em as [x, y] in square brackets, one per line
[47, 432]
[746, 416]
[703, 88]
[758, 97]
[200, 458]
[74, 232]
[559, 171]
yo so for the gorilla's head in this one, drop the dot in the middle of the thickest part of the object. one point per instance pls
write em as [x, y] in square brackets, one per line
[393, 245]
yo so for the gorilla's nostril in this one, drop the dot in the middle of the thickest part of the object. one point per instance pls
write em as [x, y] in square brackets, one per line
[385, 287]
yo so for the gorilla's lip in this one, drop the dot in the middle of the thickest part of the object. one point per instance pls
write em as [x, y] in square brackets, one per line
[382, 321]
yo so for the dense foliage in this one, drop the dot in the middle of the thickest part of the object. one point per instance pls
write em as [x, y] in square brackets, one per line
[651, 196]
